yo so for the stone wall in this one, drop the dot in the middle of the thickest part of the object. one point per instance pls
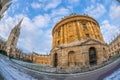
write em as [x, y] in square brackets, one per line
[40, 59]
[114, 47]
[77, 56]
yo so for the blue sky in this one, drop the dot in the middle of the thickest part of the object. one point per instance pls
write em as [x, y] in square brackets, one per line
[40, 16]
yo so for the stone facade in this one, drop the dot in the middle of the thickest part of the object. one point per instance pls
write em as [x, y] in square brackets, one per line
[40, 59]
[76, 28]
[19, 54]
[114, 47]
[77, 43]
[2, 45]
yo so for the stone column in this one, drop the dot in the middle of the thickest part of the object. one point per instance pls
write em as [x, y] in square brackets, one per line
[61, 34]
[65, 34]
[55, 38]
[94, 33]
[75, 30]
[53, 42]
[91, 30]
[79, 30]
[100, 34]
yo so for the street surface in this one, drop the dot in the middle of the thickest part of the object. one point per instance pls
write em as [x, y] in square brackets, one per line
[12, 71]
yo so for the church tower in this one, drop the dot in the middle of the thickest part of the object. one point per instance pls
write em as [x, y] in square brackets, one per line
[13, 39]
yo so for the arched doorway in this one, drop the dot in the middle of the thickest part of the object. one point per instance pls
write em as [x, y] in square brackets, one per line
[55, 60]
[92, 56]
[3, 52]
[71, 58]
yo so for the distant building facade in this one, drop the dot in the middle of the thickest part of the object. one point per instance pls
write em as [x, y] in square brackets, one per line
[18, 54]
[114, 47]
[2, 45]
[40, 59]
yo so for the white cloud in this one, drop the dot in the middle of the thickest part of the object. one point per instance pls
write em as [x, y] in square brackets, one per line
[46, 4]
[73, 1]
[7, 23]
[36, 5]
[60, 11]
[14, 0]
[58, 14]
[115, 12]
[52, 4]
[95, 11]
[71, 4]
[109, 31]
[41, 20]
[13, 7]
[93, 1]
[32, 36]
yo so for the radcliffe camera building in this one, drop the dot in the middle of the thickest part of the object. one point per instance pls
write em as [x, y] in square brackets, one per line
[77, 42]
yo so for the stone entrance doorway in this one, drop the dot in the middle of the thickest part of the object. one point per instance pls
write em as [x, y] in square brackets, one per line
[71, 58]
[55, 60]
[92, 56]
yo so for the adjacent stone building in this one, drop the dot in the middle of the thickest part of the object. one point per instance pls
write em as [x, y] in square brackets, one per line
[18, 53]
[39, 58]
[3, 48]
[77, 42]
[114, 47]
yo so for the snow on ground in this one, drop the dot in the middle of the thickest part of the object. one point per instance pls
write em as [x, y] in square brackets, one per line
[11, 73]
[114, 76]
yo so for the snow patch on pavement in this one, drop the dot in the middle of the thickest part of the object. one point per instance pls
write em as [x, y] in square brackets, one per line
[11, 73]
[114, 76]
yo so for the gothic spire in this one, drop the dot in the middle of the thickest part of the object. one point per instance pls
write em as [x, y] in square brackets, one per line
[19, 24]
